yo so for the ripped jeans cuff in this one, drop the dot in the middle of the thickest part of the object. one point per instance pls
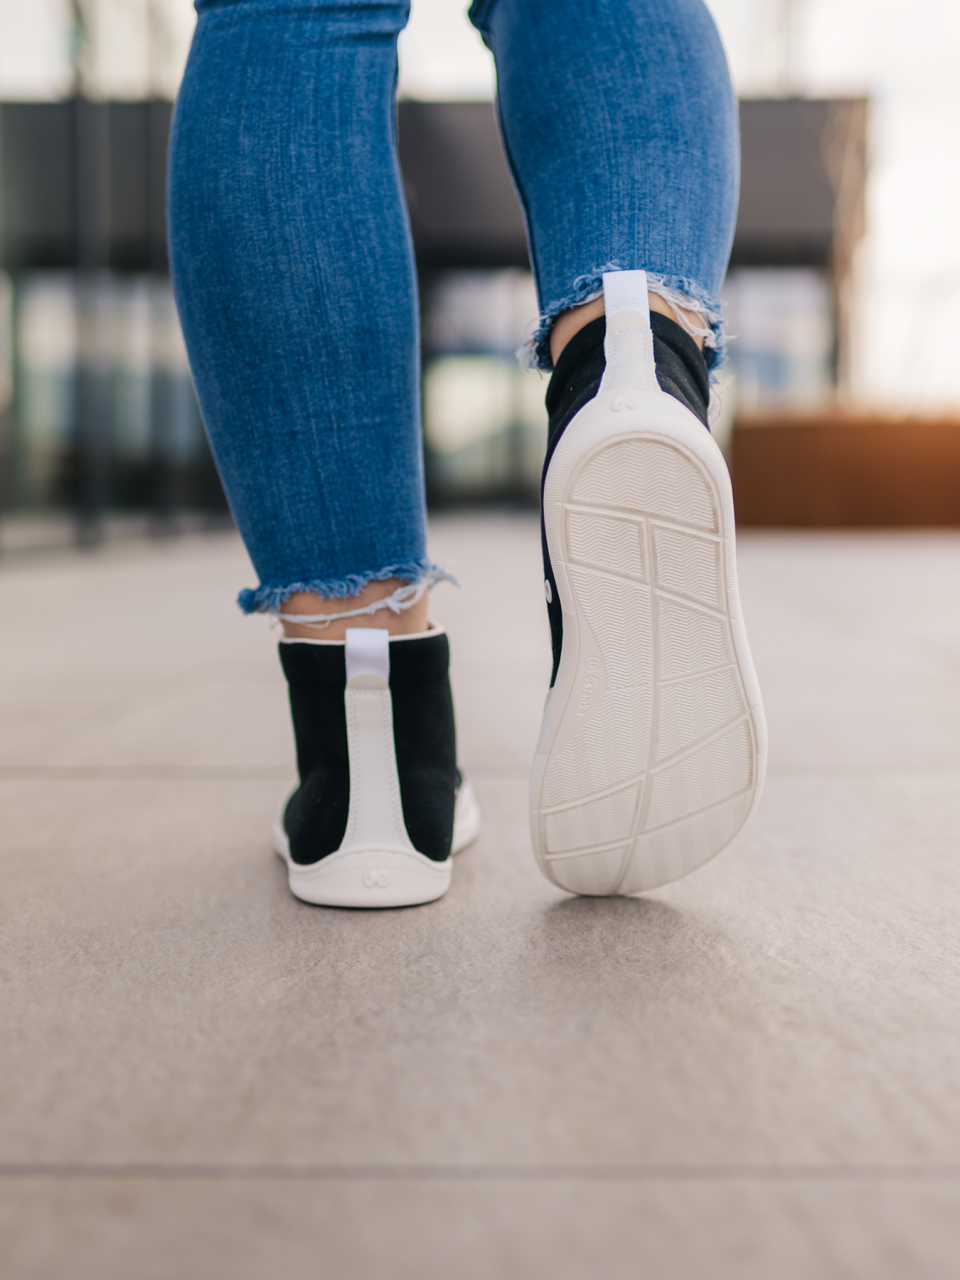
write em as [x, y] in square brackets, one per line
[676, 291]
[416, 578]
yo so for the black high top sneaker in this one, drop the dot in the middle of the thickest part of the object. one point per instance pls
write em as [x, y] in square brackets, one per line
[653, 746]
[381, 806]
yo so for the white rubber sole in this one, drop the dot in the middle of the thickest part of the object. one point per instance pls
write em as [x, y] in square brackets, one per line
[378, 878]
[653, 747]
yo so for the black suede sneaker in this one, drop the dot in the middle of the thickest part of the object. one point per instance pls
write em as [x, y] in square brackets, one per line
[652, 750]
[381, 806]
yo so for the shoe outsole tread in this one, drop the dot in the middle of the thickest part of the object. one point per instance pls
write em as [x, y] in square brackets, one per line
[653, 747]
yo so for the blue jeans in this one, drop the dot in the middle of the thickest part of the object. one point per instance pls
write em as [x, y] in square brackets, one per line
[292, 261]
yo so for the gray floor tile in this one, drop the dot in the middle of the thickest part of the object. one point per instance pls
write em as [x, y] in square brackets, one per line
[193, 1229]
[857, 643]
[795, 1002]
[752, 1072]
[219, 716]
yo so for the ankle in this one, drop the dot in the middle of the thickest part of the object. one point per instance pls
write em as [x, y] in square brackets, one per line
[570, 322]
[407, 621]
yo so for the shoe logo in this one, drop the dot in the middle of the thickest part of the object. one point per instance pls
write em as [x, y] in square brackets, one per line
[376, 879]
[586, 692]
[625, 402]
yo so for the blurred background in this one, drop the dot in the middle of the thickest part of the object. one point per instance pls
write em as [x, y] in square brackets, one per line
[840, 405]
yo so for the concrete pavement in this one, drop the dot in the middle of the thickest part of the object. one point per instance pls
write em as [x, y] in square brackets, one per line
[751, 1073]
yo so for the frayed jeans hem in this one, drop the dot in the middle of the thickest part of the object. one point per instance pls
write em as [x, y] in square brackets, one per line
[676, 291]
[267, 598]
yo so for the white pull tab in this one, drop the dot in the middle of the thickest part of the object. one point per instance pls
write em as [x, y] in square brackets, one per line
[375, 817]
[368, 658]
[628, 345]
[626, 291]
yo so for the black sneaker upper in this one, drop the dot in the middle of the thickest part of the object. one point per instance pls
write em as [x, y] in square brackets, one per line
[681, 373]
[423, 733]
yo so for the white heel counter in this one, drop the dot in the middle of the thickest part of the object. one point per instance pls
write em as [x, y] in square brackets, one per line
[375, 816]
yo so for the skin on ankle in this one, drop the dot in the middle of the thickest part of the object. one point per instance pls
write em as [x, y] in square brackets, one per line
[406, 623]
[570, 322]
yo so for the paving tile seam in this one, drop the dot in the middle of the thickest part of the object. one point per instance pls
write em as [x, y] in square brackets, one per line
[82, 773]
[831, 775]
[804, 1174]
[226, 774]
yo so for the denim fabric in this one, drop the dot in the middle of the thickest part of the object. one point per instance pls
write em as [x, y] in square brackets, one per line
[290, 246]
[294, 278]
[620, 125]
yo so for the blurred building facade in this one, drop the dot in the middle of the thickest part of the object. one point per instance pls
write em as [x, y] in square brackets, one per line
[804, 323]
[99, 426]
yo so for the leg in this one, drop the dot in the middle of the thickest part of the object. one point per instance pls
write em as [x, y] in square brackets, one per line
[293, 271]
[294, 278]
[620, 127]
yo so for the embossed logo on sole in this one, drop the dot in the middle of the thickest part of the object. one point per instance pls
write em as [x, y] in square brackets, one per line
[376, 879]
[586, 692]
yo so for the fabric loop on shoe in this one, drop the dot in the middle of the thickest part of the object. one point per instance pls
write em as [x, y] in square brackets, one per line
[626, 291]
[367, 655]
[628, 346]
